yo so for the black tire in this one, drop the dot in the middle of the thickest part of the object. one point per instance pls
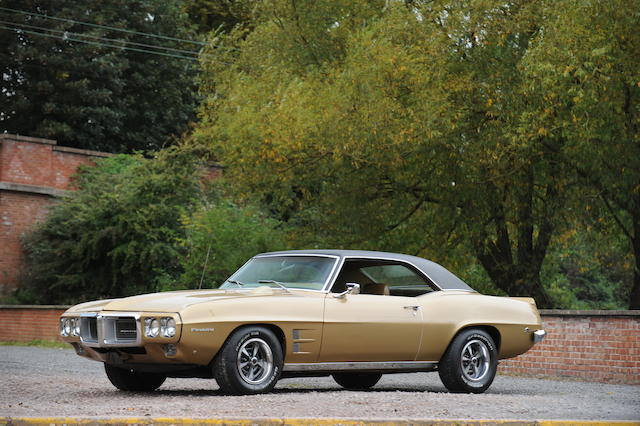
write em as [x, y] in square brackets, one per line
[469, 365]
[249, 362]
[356, 381]
[130, 380]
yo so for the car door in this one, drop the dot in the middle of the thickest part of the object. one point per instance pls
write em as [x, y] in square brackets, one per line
[369, 327]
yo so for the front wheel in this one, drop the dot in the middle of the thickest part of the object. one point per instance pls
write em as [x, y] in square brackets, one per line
[130, 380]
[356, 381]
[250, 362]
[470, 363]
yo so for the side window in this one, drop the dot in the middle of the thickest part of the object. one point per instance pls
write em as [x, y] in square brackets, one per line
[382, 277]
[401, 280]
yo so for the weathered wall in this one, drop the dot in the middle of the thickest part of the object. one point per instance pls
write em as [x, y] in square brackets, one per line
[27, 323]
[602, 346]
[33, 173]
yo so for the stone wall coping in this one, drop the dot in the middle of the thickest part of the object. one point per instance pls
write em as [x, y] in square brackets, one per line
[7, 137]
[86, 152]
[35, 306]
[33, 189]
[589, 313]
[18, 138]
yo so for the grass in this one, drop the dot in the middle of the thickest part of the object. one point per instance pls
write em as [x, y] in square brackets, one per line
[38, 343]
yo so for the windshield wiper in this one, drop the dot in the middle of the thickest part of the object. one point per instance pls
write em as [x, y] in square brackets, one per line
[274, 282]
[238, 283]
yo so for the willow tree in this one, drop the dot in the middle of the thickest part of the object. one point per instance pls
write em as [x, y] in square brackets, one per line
[394, 126]
[586, 64]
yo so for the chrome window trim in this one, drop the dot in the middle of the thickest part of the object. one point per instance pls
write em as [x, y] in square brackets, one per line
[424, 274]
[329, 277]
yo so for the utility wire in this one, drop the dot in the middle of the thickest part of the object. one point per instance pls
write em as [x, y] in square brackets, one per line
[151, 52]
[65, 34]
[200, 43]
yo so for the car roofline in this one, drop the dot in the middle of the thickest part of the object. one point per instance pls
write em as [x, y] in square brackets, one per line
[436, 273]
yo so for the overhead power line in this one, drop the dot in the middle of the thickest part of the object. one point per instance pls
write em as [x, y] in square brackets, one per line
[100, 44]
[66, 34]
[89, 24]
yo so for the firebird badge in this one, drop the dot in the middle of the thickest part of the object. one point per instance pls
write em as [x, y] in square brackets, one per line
[202, 329]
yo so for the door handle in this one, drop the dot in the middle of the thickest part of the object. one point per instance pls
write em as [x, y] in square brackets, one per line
[414, 309]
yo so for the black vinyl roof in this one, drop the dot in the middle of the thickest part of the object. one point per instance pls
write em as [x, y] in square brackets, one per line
[438, 274]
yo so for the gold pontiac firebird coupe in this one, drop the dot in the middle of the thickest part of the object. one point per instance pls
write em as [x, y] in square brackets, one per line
[354, 315]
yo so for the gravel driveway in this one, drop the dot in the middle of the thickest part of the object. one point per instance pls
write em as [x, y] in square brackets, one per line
[39, 382]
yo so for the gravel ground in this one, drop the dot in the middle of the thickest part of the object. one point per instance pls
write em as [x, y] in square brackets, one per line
[39, 382]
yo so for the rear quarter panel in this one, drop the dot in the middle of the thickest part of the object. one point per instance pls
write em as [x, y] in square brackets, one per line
[445, 313]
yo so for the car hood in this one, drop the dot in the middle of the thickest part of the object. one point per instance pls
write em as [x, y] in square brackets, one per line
[172, 301]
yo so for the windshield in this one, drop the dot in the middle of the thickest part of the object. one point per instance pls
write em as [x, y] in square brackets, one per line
[306, 272]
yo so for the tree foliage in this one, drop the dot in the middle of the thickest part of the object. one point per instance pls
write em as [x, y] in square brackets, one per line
[382, 124]
[137, 225]
[585, 62]
[116, 235]
[96, 95]
[221, 236]
[415, 126]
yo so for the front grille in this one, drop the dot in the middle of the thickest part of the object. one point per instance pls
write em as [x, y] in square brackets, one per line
[89, 329]
[126, 329]
[110, 330]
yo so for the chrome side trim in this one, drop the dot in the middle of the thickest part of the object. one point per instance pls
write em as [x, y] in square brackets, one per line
[383, 366]
[538, 336]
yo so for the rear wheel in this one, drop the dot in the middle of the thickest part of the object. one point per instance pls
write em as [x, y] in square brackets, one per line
[470, 363]
[250, 362]
[130, 380]
[356, 381]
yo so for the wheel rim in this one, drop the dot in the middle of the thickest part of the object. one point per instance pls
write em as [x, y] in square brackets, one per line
[475, 360]
[255, 361]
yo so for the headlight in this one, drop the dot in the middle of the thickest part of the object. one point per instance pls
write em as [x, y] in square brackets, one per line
[75, 326]
[168, 327]
[65, 327]
[151, 327]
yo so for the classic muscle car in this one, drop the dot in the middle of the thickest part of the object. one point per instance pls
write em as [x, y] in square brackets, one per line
[354, 315]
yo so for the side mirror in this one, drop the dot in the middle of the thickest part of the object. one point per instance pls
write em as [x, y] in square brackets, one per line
[352, 288]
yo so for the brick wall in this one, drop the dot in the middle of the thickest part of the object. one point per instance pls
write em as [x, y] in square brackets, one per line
[33, 173]
[602, 346]
[26, 323]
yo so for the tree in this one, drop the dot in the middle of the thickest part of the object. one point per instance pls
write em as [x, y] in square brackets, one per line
[223, 15]
[118, 233]
[586, 62]
[137, 225]
[82, 74]
[403, 126]
[221, 236]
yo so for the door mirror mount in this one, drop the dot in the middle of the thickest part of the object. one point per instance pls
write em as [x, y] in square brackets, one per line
[352, 288]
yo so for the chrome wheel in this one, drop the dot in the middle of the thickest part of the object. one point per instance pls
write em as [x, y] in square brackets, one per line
[255, 361]
[475, 360]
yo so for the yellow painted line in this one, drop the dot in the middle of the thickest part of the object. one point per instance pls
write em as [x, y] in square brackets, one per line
[130, 421]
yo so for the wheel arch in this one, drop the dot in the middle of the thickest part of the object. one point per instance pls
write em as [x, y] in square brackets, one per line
[279, 333]
[490, 329]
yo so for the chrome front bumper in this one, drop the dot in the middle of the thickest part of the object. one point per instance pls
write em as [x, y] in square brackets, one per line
[538, 336]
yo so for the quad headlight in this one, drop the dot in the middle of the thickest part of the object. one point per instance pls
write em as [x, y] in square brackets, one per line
[162, 327]
[151, 327]
[69, 327]
[168, 327]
